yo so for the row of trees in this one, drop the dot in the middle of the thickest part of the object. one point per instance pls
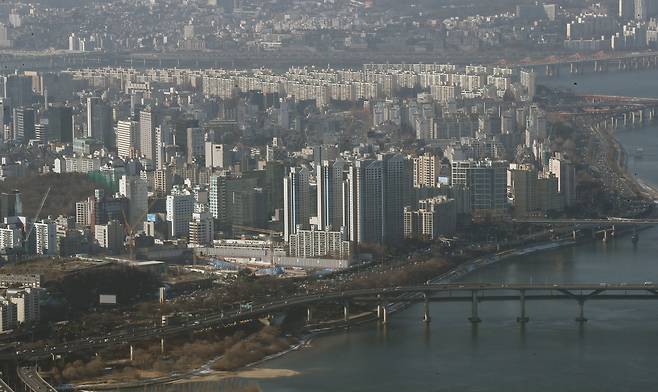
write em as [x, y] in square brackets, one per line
[234, 351]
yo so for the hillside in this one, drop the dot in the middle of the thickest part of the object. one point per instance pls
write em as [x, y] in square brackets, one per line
[66, 190]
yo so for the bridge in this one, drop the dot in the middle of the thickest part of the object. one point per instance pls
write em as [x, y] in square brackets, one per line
[384, 300]
[590, 222]
[4, 387]
[600, 62]
[617, 99]
[601, 227]
[32, 381]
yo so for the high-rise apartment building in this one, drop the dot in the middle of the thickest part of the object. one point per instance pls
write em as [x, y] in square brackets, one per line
[487, 182]
[18, 90]
[201, 231]
[365, 187]
[147, 144]
[330, 178]
[60, 123]
[11, 237]
[434, 217]
[397, 186]
[45, 235]
[626, 9]
[180, 208]
[296, 201]
[26, 302]
[5, 42]
[23, 124]
[426, 170]
[566, 177]
[217, 155]
[195, 144]
[85, 212]
[376, 193]
[135, 190]
[99, 122]
[41, 132]
[163, 138]
[11, 204]
[110, 236]
[217, 197]
[127, 139]
[521, 185]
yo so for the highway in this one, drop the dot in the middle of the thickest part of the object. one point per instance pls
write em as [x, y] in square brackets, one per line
[4, 387]
[33, 381]
[608, 222]
[552, 60]
[384, 296]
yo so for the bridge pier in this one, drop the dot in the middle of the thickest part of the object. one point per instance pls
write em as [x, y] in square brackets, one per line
[382, 314]
[581, 311]
[474, 308]
[552, 70]
[523, 318]
[426, 313]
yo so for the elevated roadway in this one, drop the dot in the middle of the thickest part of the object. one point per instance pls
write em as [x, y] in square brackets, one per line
[384, 298]
[601, 222]
[4, 387]
[32, 381]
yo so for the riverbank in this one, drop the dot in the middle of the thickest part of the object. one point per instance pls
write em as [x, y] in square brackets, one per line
[454, 274]
[642, 188]
[607, 353]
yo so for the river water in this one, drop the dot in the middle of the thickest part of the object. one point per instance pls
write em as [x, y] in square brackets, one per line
[613, 351]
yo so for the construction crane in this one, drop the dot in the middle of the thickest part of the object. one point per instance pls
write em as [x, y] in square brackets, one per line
[270, 235]
[130, 234]
[130, 229]
[26, 241]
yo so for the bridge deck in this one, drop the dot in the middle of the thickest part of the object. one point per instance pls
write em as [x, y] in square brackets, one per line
[4, 387]
[433, 293]
[608, 222]
[33, 382]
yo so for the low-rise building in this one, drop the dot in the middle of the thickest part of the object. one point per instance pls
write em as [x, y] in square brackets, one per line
[319, 243]
[26, 301]
[110, 236]
[433, 218]
[201, 231]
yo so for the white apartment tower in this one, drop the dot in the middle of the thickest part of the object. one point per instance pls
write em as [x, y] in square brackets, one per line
[179, 214]
[566, 177]
[45, 234]
[147, 137]
[426, 170]
[127, 139]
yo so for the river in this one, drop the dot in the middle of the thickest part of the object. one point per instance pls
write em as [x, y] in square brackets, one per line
[613, 351]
